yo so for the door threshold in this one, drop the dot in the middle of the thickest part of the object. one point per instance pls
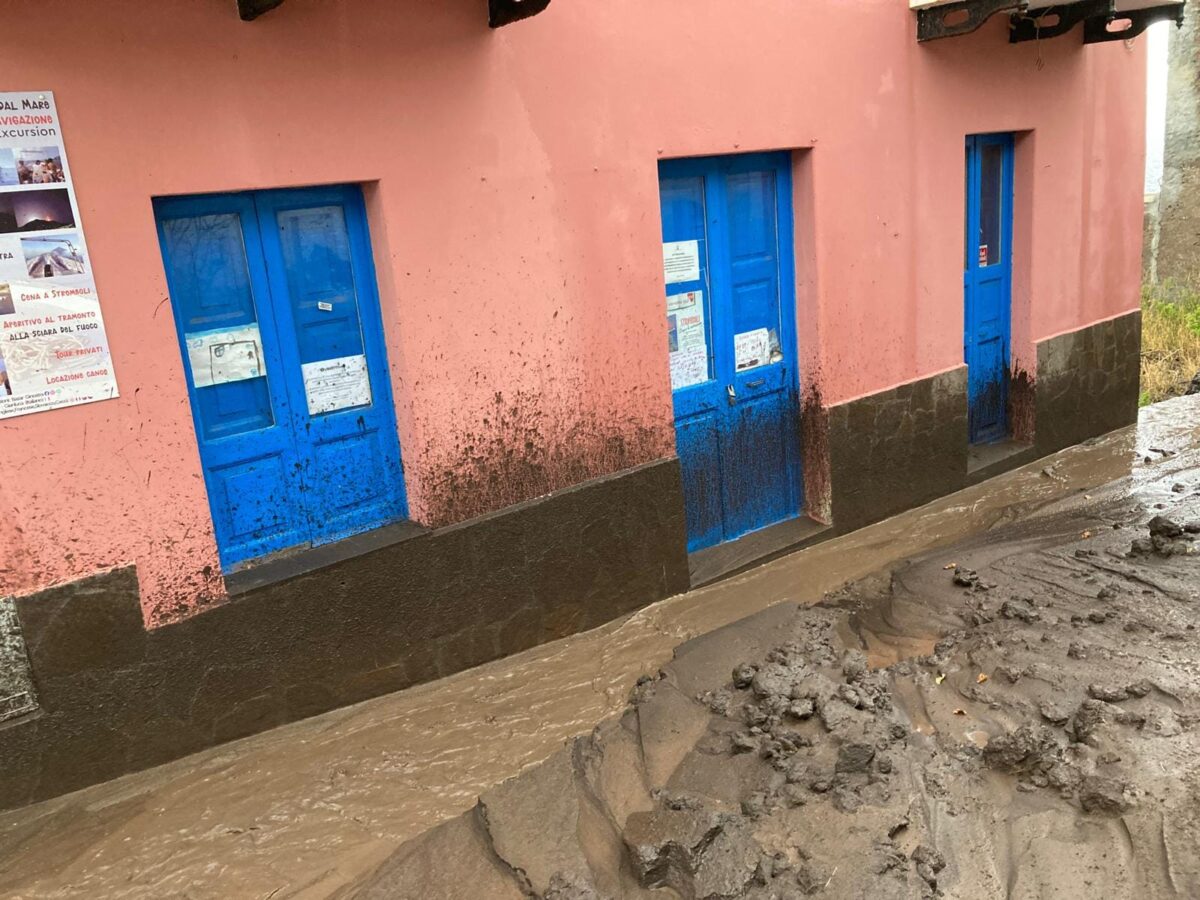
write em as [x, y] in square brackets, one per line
[302, 560]
[753, 549]
[985, 460]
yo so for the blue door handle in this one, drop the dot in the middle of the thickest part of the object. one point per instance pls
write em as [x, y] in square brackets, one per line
[732, 394]
[756, 383]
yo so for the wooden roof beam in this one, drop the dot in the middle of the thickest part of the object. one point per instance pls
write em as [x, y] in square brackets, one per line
[252, 9]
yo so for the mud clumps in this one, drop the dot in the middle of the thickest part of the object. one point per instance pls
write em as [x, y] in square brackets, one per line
[1019, 705]
[1031, 748]
[1167, 538]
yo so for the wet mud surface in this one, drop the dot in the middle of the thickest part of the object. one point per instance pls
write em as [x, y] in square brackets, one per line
[356, 801]
[1014, 716]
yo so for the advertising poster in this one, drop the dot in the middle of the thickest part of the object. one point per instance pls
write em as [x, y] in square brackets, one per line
[687, 340]
[53, 349]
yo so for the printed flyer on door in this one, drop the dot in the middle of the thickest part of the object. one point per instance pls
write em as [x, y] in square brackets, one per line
[53, 349]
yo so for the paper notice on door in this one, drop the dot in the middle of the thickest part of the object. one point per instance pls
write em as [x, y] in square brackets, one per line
[686, 339]
[333, 384]
[689, 367]
[224, 355]
[681, 261]
[751, 349]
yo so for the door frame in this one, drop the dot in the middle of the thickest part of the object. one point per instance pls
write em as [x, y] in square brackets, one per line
[266, 293]
[690, 401]
[975, 144]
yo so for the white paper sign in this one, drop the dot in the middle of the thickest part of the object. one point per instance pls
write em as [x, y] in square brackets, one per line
[689, 367]
[686, 339]
[681, 261]
[224, 355]
[751, 349]
[53, 348]
[334, 384]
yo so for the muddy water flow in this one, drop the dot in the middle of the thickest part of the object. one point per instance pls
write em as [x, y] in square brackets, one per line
[305, 809]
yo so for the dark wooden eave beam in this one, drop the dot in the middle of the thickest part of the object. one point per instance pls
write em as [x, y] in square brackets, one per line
[952, 19]
[500, 12]
[505, 12]
[252, 9]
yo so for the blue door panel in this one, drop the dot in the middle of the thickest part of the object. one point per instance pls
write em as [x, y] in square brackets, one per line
[987, 284]
[759, 460]
[295, 265]
[737, 432]
[239, 487]
[217, 281]
[315, 246]
[318, 254]
[698, 443]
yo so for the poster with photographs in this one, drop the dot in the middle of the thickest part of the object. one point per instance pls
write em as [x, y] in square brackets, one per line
[53, 349]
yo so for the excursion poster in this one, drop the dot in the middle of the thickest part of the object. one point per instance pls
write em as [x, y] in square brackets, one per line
[53, 349]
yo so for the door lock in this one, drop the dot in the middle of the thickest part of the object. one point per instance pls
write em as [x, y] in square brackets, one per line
[732, 394]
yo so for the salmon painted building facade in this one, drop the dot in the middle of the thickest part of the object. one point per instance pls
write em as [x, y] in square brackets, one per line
[427, 342]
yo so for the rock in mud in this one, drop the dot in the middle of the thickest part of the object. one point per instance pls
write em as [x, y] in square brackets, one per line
[1108, 692]
[773, 680]
[727, 865]
[571, 887]
[1015, 610]
[664, 845]
[854, 756]
[1053, 712]
[1105, 795]
[802, 709]
[1028, 748]
[743, 675]
[1140, 688]
[1167, 538]
[965, 577]
[1088, 719]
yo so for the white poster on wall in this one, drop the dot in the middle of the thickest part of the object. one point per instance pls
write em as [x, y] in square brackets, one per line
[53, 348]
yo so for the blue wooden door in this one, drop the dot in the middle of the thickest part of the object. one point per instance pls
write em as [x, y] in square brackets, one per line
[727, 242]
[275, 301]
[987, 283]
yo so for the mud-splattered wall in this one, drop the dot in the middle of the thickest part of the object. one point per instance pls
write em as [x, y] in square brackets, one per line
[512, 192]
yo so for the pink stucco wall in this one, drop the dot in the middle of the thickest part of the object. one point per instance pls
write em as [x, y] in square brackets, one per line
[512, 186]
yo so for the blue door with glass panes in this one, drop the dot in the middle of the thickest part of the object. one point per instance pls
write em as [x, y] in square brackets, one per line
[277, 311]
[730, 304]
[987, 284]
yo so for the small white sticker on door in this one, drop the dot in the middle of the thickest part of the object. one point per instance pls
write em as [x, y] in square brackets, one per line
[224, 355]
[333, 384]
[751, 349]
[681, 261]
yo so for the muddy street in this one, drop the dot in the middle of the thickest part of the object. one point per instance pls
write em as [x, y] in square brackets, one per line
[993, 695]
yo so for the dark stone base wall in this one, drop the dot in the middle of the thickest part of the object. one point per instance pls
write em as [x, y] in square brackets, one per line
[903, 447]
[115, 698]
[1088, 382]
[897, 449]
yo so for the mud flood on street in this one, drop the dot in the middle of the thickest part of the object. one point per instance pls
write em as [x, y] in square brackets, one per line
[995, 695]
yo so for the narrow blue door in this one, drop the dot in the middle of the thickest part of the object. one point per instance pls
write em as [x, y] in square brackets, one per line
[987, 283]
[275, 302]
[729, 271]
